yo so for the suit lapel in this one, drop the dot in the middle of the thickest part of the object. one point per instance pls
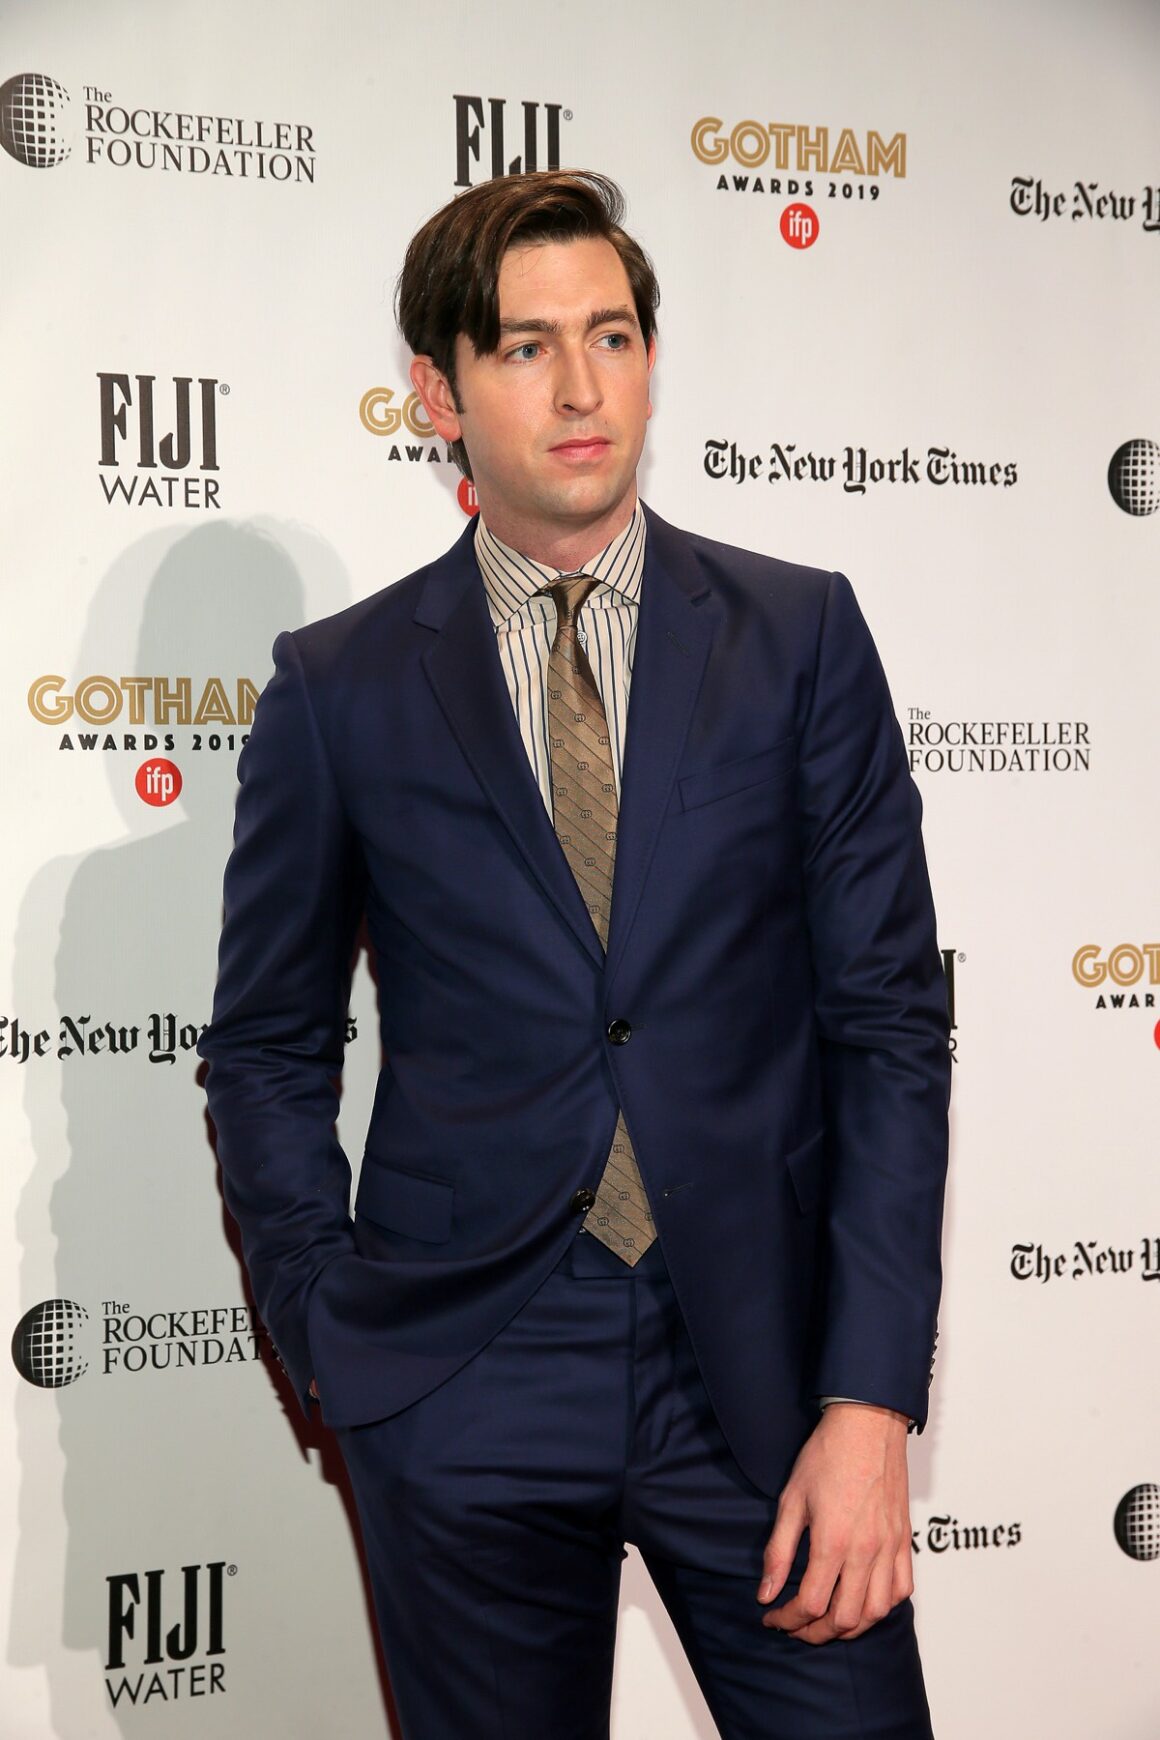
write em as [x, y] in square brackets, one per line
[673, 637]
[463, 667]
[674, 634]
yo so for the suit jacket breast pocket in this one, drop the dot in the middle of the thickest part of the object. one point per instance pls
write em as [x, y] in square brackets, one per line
[728, 777]
[412, 1203]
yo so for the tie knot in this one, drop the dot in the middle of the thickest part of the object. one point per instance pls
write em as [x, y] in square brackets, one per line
[568, 594]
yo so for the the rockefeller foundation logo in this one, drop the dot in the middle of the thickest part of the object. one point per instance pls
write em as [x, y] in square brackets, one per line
[1134, 477]
[37, 122]
[57, 1341]
[937, 745]
[34, 113]
[47, 1344]
[1137, 1522]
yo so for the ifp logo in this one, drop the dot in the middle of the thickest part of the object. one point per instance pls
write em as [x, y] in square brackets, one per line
[466, 497]
[799, 225]
[158, 782]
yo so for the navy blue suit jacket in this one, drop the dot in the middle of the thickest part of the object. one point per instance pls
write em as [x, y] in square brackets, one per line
[772, 947]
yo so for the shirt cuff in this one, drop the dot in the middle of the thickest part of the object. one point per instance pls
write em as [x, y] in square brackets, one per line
[825, 1402]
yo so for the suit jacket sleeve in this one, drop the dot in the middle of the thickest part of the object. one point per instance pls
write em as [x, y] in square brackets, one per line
[881, 1012]
[293, 898]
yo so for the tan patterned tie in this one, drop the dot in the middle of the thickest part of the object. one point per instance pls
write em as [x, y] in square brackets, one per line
[585, 811]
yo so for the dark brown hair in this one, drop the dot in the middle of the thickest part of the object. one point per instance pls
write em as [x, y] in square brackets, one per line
[449, 281]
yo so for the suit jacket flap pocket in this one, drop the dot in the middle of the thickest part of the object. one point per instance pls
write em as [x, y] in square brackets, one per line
[410, 1203]
[730, 776]
[804, 1164]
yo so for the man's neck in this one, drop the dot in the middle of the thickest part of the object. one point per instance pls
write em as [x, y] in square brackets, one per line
[561, 548]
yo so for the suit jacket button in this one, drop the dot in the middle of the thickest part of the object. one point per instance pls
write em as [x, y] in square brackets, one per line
[619, 1032]
[583, 1201]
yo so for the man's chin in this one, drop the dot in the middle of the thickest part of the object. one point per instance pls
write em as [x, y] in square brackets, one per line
[587, 500]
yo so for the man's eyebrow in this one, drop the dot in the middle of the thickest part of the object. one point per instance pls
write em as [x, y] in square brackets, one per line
[531, 324]
[598, 317]
[608, 316]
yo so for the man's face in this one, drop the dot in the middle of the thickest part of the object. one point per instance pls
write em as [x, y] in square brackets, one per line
[554, 420]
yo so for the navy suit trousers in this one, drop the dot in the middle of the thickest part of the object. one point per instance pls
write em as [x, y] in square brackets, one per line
[495, 1512]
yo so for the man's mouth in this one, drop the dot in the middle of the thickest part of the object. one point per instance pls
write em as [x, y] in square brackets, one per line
[582, 447]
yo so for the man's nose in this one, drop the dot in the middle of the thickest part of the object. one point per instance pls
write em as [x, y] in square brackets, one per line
[577, 384]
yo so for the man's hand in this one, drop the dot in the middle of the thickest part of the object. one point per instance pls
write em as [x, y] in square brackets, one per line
[314, 1390]
[849, 1487]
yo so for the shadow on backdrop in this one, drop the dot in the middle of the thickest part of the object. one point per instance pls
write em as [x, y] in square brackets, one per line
[180, 1465]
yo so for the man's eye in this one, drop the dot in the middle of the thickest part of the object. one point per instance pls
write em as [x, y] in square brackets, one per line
[525, 352]
[616, 340]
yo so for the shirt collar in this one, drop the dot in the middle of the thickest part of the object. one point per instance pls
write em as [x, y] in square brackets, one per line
[511, 578]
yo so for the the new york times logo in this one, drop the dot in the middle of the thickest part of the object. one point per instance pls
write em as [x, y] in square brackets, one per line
[164, 443]
[1086, 1259]
[946, 1534]
[1084, 202]
[166, 1643]
[160, 1038]
[53, 1342]
[857, 469]
[475, 126]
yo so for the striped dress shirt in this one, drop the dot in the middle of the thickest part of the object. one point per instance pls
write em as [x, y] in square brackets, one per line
[525, 627]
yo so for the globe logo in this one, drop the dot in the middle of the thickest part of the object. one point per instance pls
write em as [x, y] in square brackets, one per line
[1137, 1522]
[1134, 477]
[45, 1346]
[32, 112]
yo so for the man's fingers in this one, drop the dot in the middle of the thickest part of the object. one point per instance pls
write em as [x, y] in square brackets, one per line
[781, 1547]
[849, 1487]
[876, 1603]
[848, 1606]
[903, 1586]
[802, 1625]
[813, 1598]
[861, 1598]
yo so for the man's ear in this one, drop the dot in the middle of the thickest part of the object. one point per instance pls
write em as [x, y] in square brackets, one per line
[434, 389]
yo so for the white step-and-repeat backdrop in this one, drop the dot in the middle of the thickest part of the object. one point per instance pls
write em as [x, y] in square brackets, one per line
[909, 263]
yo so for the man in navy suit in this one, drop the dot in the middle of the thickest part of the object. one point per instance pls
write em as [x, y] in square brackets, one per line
[645, 1244]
